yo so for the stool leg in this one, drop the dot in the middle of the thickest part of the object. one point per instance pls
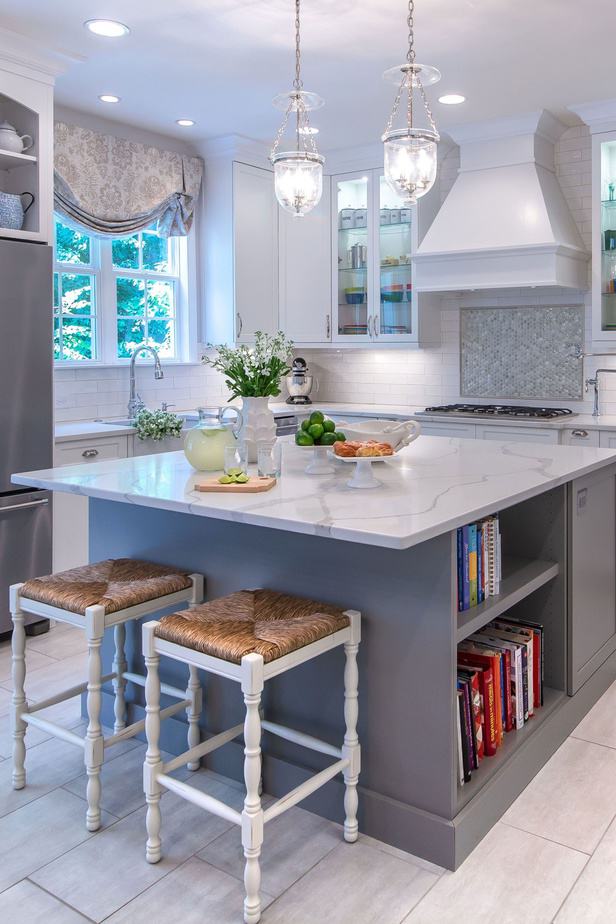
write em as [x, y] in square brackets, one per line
[153, 763]
[19, 704]
[193, 713]
[119, 684]
[351, 741]
[252, 816]
[93, 743]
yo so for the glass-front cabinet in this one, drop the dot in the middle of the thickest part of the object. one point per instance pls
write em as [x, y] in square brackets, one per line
[372, 236]
[608, 236]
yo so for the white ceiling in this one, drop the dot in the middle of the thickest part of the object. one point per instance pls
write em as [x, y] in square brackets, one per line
[220, 62]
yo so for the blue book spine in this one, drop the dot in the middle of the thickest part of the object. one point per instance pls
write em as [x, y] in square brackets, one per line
[460, 563]
[466, 587]
[479, 533]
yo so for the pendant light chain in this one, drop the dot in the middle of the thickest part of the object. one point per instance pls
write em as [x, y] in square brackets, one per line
[297, 83]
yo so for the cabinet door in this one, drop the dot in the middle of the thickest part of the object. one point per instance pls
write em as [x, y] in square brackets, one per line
[305, 272]
[457, 430]
[70, 511]
[352, 292]
[607, 439]
[255, 231]
[516, 434]
[591, 574]
[578, 436]
[394, 315]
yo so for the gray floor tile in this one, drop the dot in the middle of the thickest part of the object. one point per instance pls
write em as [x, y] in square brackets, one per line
[572, 800]
[195, 893]
[57, 676]
[5, 701]
[593, 898]
[102, 875]
[293, 843]
[511, 876]
[48, 765]
[599, 725]
[25, 903]
[401, 854]
[34, 661]
[354, 883]
[40, 832]
[60, 642]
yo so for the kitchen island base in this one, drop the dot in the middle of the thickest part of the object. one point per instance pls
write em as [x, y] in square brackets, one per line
[409, 791]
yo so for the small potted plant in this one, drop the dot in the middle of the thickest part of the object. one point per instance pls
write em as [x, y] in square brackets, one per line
[253, 374]
[159, 426]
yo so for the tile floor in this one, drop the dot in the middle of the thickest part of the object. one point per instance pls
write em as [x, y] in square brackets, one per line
[552, 858]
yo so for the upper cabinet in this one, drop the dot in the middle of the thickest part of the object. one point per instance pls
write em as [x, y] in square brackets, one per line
[26, 154]
[605, 246]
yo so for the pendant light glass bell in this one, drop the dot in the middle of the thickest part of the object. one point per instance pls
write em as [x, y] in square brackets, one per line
[298, 174]
[410, 153]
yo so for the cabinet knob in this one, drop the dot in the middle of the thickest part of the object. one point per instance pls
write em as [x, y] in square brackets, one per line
[239, 324]
[328, 327]
[89, 453]
[582, 434]
[375, 325]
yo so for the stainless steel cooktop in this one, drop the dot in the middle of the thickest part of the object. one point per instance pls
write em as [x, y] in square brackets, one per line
[502, 411]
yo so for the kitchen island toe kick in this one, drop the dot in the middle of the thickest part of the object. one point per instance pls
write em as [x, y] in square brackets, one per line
[391, 553]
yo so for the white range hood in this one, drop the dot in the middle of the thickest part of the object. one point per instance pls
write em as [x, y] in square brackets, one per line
[505, 222]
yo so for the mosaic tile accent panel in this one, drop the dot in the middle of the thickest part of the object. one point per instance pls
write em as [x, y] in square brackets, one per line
[521, 352]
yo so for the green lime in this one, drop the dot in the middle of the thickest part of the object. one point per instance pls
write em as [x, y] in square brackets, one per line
[303, 439]
[235, 471]
[328, 439]
[306, 423]
[226, 479]
[339, 437]
[329, 426]
[317, 417]
[242, 479]
[316, 430]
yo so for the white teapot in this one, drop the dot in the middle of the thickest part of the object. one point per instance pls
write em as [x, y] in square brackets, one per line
[11, 141]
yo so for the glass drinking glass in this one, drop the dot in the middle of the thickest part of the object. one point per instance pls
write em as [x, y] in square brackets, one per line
[236, 457]
[269, 461]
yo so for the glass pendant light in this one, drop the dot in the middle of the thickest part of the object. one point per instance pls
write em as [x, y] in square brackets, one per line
[298, 174]
[410, 153]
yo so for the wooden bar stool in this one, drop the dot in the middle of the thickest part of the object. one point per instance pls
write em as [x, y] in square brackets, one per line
[93, 598]
[249, 637]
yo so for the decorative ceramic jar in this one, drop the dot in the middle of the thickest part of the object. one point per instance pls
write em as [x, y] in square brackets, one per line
[258, 428]
[12, 211]
[11, 141]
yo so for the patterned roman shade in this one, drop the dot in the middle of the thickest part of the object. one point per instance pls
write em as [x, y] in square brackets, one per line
[114, 186]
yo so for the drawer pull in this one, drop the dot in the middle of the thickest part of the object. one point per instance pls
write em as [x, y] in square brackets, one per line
[89, 453]
[583, 434]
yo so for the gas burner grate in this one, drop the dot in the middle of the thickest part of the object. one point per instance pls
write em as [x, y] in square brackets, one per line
[501, 410]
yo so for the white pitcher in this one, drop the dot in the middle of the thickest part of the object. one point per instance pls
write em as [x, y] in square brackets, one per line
[11, 141]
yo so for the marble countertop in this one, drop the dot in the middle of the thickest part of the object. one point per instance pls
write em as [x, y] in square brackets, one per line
[430, 487]
[88, 429]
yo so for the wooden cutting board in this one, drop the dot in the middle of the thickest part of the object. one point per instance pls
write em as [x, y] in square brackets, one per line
[254, 486]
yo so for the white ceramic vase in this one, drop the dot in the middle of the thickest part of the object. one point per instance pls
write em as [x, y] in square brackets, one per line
[258, 426]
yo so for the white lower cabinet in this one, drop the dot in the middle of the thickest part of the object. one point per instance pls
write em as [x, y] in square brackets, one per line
[607, 439]
[456, 430]
[516, 434]
[579, 436]
[70, 511]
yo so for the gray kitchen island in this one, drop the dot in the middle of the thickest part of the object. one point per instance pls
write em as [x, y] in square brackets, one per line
[391, 553]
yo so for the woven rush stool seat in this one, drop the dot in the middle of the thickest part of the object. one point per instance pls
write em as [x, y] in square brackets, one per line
[114, 584]
[93, 598]
[249, 637]
[261, 621]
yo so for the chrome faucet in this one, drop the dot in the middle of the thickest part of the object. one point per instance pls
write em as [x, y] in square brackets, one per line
[595, 383]
[135, 403]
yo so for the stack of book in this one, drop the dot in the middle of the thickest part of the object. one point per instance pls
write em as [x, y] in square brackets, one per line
[479, 562]
[499, 687]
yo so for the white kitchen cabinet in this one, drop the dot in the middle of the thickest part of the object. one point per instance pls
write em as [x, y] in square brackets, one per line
[516, 433]
[70, 511]
[579, 436]
[607, 439]
[305, 273]
[462, 431]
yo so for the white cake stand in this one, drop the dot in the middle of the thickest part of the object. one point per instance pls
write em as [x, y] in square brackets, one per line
[362, 476]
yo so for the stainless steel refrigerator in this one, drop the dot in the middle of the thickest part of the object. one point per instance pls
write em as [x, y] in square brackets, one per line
[26, 412]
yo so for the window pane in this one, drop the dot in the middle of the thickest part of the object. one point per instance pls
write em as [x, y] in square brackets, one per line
[131, 332]
[72, 246]
[56, 338]
[161, 337]
[56, 290]
[130, 296]
[160, 299]
[76, 293]
[77, 338]
[125, 252]
[155, 252]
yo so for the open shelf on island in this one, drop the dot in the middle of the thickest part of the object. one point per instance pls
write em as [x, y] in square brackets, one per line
[521, 578]
[512, 742]
[9, 160]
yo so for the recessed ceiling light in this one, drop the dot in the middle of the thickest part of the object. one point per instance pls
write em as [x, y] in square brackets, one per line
[185, 123]
[109, 98]
[452, 99]
[107, 27]
[309, 130]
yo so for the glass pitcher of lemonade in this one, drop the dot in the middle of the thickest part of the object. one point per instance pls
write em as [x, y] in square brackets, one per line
[204, 444]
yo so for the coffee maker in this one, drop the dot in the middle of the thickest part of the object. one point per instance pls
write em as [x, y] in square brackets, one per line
[299, 383]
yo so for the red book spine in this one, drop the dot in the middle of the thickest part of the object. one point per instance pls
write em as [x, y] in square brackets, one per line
[537, 668]
[491, 737]
[476, 701]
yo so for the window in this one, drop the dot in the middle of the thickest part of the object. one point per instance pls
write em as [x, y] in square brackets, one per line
[110, 295]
